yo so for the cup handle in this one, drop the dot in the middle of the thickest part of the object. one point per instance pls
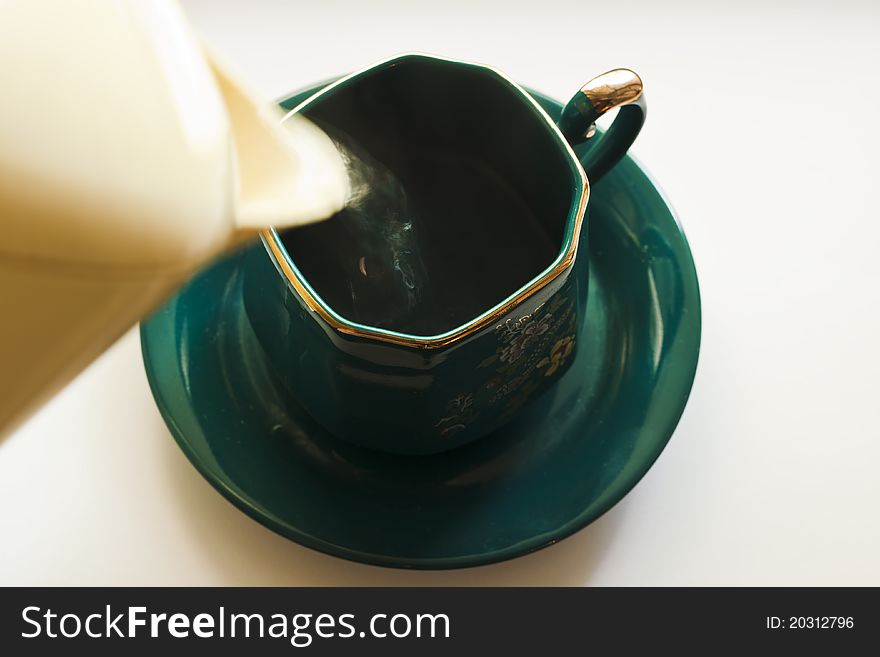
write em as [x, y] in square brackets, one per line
[621, 88]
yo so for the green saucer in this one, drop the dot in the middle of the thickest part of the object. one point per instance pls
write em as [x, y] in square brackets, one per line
[568, 457]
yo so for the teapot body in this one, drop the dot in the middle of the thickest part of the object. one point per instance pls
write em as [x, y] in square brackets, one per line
[128, 159]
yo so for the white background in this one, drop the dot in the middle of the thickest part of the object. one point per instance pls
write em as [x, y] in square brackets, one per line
[762, 130]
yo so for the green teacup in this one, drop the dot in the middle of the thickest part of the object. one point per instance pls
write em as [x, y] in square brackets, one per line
[426, 315]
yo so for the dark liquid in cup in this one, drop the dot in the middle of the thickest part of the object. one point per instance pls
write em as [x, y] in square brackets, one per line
[424, 249]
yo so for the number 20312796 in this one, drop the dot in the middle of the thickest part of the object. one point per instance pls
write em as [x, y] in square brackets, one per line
[809, 623]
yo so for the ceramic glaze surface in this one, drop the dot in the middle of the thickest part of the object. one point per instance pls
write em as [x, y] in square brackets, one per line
[561, 462]
[468, 216]
[110, 201]
[402, 400]
[463, 193]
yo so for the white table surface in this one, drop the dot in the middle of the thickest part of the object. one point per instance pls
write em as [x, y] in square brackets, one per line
[763, 131]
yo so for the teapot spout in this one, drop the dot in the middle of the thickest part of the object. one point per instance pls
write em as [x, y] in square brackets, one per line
[287, 170]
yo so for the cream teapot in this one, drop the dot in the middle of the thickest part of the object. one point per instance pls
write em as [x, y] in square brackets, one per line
[128, 158]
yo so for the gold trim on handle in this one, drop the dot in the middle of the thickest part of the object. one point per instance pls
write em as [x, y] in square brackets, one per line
[617, 87]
